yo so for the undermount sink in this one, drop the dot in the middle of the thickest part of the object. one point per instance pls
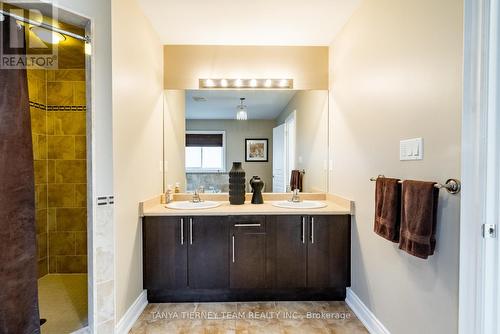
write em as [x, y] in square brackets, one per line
[299, 205]
[187, 205]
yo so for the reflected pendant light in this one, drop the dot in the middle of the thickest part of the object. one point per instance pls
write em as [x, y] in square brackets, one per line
[241, 113]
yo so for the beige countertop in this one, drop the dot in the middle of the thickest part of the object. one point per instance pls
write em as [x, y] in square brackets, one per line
[335, 206]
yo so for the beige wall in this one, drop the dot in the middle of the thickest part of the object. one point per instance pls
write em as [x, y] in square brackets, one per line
[175, 137]
[312, 136]
[185, 64]
[137, 139]
[236, 133]
[396, 74]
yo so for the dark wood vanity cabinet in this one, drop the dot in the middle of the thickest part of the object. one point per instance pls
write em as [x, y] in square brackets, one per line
[165, 255]
[291, 251]
[328, 251]
[312, 251]
[185, 252]
[248, 252]
[208, 252]
[223, 258]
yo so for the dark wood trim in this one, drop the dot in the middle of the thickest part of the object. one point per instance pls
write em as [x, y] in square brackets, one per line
[232, 295]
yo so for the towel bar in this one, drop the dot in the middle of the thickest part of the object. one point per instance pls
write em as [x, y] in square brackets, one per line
[453, 186]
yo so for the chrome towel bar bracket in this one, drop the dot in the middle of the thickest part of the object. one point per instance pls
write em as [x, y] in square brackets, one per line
[453, 186]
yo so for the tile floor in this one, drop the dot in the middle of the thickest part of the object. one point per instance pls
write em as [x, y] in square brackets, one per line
[249, 318]
[63, 302]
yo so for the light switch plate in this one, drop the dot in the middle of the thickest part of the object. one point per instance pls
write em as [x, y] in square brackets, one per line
[411, 149]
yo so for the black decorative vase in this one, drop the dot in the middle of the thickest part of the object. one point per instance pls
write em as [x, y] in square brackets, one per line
[237, 184]
[257, 185]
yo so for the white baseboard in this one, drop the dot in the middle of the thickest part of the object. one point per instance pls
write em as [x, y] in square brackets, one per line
[130, 317]
[372, 324]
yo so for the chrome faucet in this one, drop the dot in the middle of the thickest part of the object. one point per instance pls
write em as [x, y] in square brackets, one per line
[196, 196]
[296, 196]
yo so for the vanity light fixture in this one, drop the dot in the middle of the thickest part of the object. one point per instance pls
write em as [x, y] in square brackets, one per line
[241, 113]
[47, 35]
[245, 83]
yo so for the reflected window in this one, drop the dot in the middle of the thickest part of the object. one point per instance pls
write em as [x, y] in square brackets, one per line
[205, 151]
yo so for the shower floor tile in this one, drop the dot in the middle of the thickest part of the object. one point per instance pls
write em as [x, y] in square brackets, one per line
[63, 302]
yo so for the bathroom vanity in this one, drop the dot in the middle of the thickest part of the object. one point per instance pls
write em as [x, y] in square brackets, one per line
[246, 252]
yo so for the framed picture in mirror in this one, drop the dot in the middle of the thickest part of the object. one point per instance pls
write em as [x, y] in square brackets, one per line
[256, 150]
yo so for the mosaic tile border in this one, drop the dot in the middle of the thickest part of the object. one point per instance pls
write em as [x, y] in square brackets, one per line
[38, 105]
[57, 108]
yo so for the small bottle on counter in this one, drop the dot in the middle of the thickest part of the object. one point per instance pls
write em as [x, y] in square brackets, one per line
[177, 187]
[166, 197]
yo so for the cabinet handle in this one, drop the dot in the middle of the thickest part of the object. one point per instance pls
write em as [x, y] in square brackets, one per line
[191, 231]
[182, 231]
[303, 236]
[312, 230]
[246, 225]
[233, 250]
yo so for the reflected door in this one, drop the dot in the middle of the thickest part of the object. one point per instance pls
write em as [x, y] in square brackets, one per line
[279, 182]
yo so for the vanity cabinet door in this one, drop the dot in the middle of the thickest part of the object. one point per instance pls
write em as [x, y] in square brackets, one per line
[248, 260]
[208, 252]
[164, 253]
[328, 259]
[291, 251]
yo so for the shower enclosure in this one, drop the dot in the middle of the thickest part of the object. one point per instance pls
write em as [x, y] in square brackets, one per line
[58, 122]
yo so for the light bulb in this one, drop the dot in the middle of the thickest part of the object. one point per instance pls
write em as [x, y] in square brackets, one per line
[268, 83]
[253, 83]
[209, 83]
[283, 83]
[238, 83]
[223, 83]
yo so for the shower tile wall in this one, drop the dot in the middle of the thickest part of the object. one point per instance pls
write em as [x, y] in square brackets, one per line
[66, 177]
[37, 93]
[58, 122]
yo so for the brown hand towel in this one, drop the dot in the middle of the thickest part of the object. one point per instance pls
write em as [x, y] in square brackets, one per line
[296, 180]
[387, 208]
[418, 218]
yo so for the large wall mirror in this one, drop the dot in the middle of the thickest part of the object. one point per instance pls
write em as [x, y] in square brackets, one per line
[279, 135]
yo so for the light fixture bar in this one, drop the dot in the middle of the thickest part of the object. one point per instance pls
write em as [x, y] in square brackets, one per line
[208, 83]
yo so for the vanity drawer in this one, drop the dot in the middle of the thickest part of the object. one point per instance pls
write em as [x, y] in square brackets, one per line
[254, 224]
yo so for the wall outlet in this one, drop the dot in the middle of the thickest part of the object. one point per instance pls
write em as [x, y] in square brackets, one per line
[411, 149]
